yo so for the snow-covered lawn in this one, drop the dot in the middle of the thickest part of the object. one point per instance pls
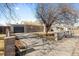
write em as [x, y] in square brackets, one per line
[64, 47]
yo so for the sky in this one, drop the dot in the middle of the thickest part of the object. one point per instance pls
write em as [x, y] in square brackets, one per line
[26, 12]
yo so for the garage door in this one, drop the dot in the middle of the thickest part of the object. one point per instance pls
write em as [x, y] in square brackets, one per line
[18, 29]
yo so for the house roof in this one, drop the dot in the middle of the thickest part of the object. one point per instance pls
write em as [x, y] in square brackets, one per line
[28, 23]
[4, 25]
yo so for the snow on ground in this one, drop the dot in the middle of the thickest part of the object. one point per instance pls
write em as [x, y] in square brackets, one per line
[64, 47]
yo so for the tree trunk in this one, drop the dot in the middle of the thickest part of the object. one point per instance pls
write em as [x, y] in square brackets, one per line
[44, 28]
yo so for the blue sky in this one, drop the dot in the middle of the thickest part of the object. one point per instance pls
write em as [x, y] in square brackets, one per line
[26, 12]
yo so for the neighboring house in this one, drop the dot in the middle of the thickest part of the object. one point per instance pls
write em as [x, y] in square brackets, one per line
[30, 27]
[17, 28]
[3, 29]
[22, 28]
[75, 30]
[60, 27]
[26, 28]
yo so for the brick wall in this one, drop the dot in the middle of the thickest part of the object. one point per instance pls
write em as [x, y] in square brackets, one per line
[9, 46]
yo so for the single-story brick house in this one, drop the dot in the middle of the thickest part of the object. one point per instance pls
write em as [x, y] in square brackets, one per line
[26, 28]
[22, 28]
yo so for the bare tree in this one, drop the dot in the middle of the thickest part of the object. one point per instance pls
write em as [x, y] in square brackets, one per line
[59, 13]
[47, 13]
[12, 14]
[68, 15]
[7, 10]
